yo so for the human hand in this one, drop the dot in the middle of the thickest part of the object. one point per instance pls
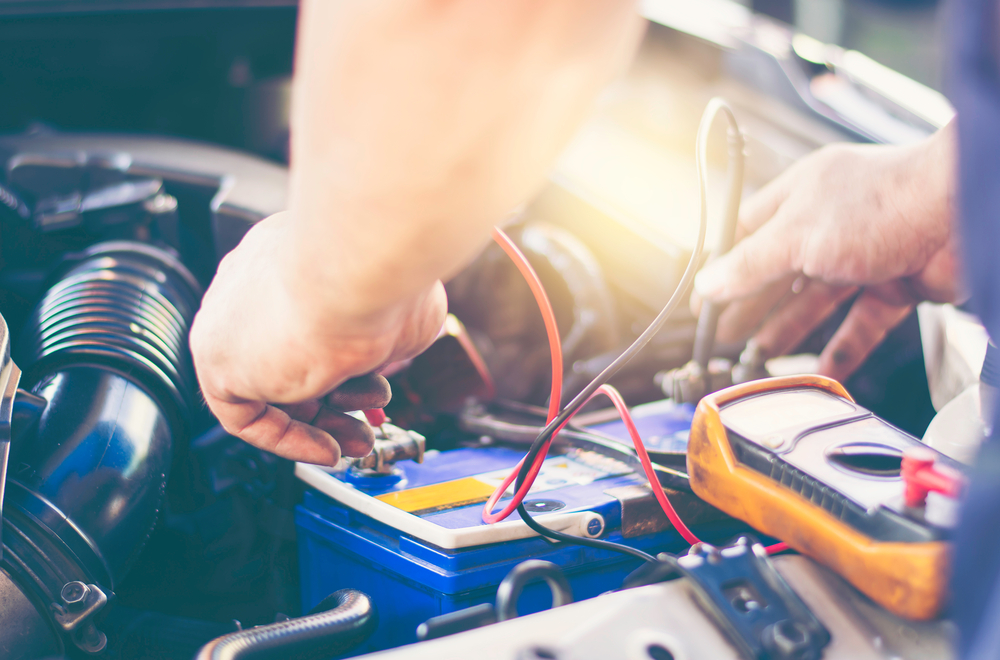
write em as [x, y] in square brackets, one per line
[279, 371]
[871, 221]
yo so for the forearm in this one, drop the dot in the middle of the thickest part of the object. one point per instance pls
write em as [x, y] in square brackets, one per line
[418, 125]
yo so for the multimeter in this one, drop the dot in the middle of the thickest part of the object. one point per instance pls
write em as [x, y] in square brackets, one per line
[798, 459]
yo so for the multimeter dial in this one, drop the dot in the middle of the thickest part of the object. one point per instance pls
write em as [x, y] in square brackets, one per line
[837, 455]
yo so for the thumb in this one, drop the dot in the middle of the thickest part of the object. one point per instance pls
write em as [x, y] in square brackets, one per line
[758, 260]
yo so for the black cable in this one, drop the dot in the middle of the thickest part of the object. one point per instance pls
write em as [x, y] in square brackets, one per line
[701, 157]
[580, 540]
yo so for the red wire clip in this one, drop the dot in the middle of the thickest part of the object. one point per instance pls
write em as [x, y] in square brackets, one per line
[376, 417]
[921, 477]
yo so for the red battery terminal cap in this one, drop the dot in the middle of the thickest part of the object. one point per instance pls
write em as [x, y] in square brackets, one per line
[920, 477]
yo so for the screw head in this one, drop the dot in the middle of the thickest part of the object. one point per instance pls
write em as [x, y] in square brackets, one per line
[74, 593]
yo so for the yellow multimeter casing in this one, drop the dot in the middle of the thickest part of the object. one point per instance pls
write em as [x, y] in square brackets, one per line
[796, 458]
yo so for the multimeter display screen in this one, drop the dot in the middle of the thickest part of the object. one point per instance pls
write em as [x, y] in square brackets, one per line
[766, 414]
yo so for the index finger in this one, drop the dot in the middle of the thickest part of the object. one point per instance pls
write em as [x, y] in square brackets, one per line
[361, 393]
[272, 429]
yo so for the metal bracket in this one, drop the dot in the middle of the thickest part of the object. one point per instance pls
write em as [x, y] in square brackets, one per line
[75, 615]
[749, 601]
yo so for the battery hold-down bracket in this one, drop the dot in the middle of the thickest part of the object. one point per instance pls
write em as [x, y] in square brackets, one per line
[741, 591]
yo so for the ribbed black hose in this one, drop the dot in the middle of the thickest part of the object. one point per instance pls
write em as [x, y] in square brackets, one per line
[322, 635]
[124, 305]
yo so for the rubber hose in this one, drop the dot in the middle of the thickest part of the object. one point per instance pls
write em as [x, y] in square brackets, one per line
[509, 591]
[310, 637]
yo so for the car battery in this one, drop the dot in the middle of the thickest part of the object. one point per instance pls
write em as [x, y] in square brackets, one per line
[415, 541]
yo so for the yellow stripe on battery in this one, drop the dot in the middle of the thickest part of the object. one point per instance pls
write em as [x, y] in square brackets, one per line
[439, 497]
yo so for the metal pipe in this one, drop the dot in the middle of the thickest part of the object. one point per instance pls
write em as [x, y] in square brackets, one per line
[326, 634]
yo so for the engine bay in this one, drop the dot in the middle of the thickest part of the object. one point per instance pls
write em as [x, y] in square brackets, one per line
[134, 526]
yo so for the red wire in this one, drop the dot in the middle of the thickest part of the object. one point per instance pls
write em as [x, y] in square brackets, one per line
[555, 395]
[647, 465]
[548, 316]
[555, 400]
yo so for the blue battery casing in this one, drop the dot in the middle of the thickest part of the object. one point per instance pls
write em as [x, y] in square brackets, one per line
[411, 580]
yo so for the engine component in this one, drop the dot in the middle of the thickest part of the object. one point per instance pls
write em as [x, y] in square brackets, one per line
[504, 324]
[105, 206]
[324, 633]
[749, 600]
[664, 620]
[417, 540]
[126, 306]
[107, 348]
[508, 593]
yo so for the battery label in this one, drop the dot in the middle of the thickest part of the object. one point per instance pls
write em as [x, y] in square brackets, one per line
[562, 471]
[579, 469]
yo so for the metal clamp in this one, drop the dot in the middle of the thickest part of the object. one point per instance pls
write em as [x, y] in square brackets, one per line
[75, 615]
[750, 602]
[396, 445]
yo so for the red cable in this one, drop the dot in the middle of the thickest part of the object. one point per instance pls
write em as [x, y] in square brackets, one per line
[548, 316]
[647, 465]
[555, 395]
[555, 400]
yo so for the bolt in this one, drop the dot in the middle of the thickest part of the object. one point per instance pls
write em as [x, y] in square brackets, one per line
[90, 639]
[788, 639]
[160, 203]
[74, 595]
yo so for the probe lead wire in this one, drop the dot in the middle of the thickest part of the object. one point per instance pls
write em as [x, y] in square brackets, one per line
[527, 470]
[715, 106]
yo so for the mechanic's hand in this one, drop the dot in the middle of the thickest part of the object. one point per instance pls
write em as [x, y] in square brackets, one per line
[875, 221]
[278, 373]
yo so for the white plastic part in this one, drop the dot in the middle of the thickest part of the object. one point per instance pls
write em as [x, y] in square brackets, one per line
[958, 428]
